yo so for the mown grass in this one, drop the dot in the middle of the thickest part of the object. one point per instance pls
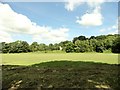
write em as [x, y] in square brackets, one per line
[62, 74]
[33, 58]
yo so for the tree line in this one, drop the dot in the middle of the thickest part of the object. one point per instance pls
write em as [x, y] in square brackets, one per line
[82, 44]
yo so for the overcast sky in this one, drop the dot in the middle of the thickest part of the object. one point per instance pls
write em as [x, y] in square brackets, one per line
[52, 22]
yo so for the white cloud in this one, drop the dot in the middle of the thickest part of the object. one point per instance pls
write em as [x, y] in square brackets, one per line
[5, 37]
[113, 32]
[110, 30]
[72, 4]
[91, 19]
[14, 23]
[114, 27]
[11, 21]
[95, 3]
[52, 35]
[102, 30]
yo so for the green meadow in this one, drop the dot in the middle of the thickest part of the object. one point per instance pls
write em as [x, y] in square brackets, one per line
[33, 58]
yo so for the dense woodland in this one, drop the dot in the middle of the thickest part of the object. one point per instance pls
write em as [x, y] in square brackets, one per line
[110, 43]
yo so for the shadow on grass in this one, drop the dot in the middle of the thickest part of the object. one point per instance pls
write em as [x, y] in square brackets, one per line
[62, 74]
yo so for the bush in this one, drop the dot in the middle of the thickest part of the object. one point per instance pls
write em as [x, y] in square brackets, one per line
[99, 49]
[69, 49]
[116, 46]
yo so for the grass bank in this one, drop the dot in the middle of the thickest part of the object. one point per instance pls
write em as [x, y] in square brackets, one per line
[62, 74]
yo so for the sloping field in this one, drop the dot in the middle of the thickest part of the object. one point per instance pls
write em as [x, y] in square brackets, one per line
[61, 74]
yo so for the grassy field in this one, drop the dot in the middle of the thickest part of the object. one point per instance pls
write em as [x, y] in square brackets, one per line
[33, 58]
[61, 74]
[80, 71]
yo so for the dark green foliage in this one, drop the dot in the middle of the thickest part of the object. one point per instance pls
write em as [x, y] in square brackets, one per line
[80, 44]
[82, 38]
[101, 37]
[5, 47]
[56, 46]
[43, 47]
[92, 37]
[24, 47]
[61, 74]
[34, 47]
[116, 46]
[99, 49]
[64, 44]
[77, 49]
[75, 39]
[69, 47]
[95, 44]
[15, 47]
[79, 38]
[51, 47]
